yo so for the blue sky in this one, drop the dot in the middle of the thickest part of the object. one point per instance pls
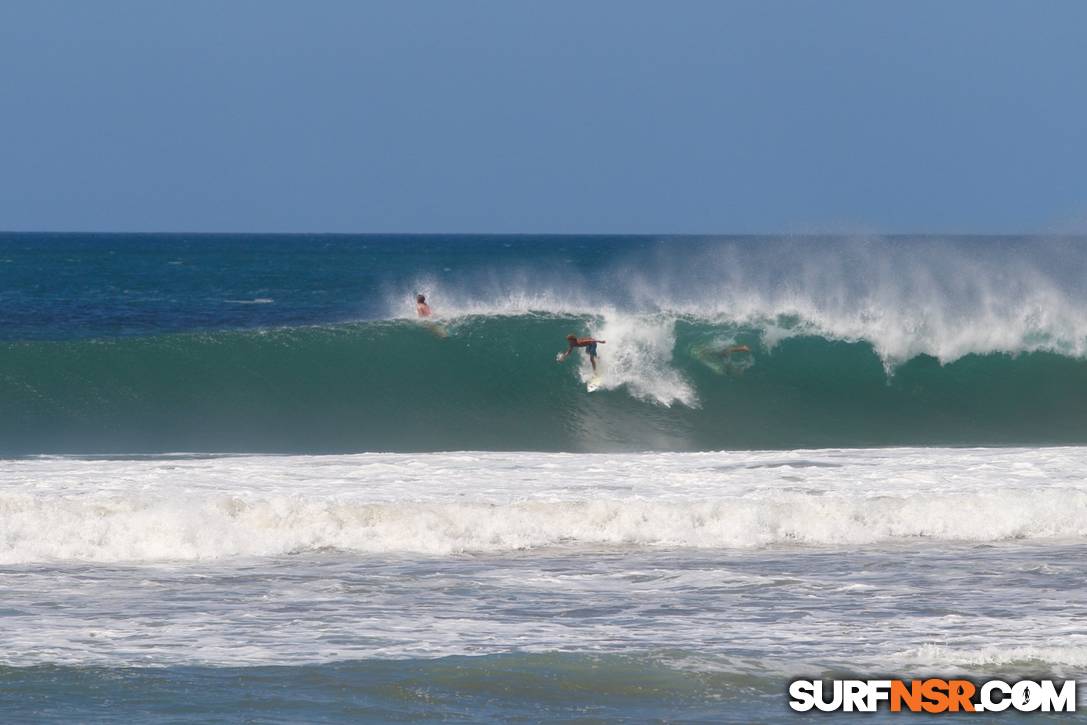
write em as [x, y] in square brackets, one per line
[567, 117]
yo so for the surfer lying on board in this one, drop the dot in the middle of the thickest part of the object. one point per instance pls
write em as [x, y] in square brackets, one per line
[421, 307]
[588, 343]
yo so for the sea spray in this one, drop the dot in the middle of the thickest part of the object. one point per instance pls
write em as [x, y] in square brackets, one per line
[945, 298]
[638, 355]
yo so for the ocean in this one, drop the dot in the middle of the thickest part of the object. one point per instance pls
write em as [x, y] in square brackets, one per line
[240, 481]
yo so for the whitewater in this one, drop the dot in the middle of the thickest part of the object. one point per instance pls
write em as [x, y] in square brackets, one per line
[235, 469]
[742, 566]
[182, 508]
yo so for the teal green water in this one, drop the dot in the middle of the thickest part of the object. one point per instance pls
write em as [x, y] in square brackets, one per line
[492, 383]
[527, 688]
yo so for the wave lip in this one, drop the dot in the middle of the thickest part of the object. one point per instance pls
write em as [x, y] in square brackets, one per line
[944, 298]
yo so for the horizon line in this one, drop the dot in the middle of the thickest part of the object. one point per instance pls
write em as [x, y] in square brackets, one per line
[820, 233]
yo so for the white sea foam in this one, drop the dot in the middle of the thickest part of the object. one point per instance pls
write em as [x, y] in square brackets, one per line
[905, 561]
[637, 353]
[942, 298]
[440, 504]
[142, 528]
[1072, 655]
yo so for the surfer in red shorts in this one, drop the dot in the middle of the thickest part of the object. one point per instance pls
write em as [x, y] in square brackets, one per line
[588, 343]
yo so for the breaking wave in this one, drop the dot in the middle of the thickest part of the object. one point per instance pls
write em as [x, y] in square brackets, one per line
[671, 382]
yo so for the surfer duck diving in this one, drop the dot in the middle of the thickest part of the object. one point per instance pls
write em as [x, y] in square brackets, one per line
[589, 343]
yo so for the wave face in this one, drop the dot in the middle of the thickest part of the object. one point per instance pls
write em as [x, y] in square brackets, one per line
[492, 383]
[308, 344]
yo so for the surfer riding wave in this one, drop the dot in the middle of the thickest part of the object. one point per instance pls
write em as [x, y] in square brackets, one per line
[589, 343]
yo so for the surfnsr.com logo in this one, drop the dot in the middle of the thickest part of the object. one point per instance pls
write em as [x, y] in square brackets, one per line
[932, 695]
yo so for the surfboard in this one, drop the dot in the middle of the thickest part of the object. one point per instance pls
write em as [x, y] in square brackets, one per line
[593, 385]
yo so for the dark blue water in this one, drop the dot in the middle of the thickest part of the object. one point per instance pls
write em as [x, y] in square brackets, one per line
[59, 286]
